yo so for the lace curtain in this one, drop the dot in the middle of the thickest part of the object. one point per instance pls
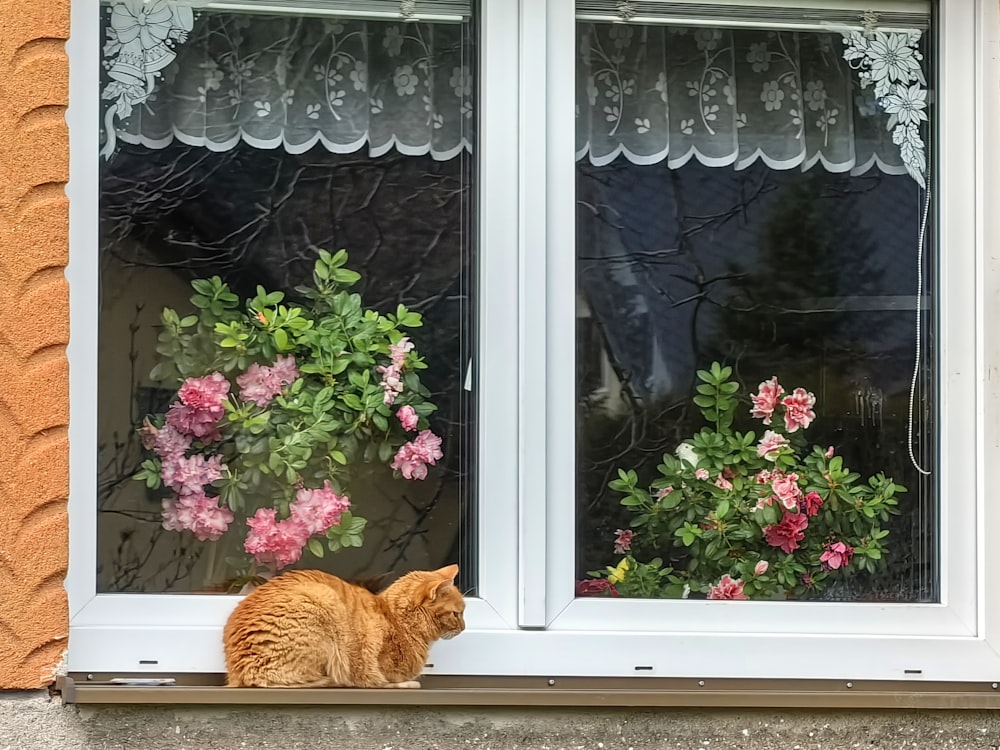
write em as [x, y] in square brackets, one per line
[288, 82]
[649, 93]
[730, 97]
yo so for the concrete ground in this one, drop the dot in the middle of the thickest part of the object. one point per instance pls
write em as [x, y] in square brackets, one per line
[34, 722]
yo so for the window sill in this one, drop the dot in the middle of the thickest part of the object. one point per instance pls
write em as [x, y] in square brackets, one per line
[562, 692]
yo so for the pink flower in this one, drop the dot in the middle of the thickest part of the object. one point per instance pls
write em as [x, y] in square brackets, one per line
[766, 477]
[798, 409]
[829, 452]
[766, 400]
[193, 422]
[701, 474]
[408, 418]
[788, 491]
[398, 351]
[723, 484]
[272, 542]
[318, 510]
[760, 568]
[765, 502]
[664, 492]
[392, 383]
[206, 393]
[788, 532]
[623, 541]
[187, 476]
[412, 458]
[837, 555]
[199, 514]
[256, 385]
[285, 370]
[260, 383]
[147, 434]
[727, 588]
[595, 587]
[169, 442]
[770, 445]
[810, 504]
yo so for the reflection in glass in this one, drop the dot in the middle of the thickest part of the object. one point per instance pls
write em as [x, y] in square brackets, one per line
[184, 198]
[808, 274]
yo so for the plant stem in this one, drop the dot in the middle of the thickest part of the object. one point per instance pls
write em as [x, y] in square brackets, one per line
[210, 569]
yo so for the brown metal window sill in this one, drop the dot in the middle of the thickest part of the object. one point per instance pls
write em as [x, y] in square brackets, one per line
[555, 692]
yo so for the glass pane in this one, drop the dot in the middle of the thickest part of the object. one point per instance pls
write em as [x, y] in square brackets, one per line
[749, 275]
[264, 419]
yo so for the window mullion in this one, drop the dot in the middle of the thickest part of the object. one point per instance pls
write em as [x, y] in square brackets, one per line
[533, 358]
[560, 310]
[496, 375]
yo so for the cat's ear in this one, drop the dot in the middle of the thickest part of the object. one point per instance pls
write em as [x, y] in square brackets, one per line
[446, 578]
[448, 572]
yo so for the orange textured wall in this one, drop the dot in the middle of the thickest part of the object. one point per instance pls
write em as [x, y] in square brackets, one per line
[34, 329]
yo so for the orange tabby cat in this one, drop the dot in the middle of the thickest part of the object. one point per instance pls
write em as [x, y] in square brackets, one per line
[306, 628]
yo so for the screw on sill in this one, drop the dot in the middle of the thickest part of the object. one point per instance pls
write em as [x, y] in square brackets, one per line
[701, 683]
[850, 685]
[551, 683]
[994, 686]
[90, 677]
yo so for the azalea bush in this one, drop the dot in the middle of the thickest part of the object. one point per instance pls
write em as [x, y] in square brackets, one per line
[737, 515]
[279, 406]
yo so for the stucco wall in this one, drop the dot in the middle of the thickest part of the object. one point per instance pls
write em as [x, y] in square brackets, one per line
[34, 329]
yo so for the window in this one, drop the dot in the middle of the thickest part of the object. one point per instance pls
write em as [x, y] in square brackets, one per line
[757, 215]
[732, 194]
[269, 136]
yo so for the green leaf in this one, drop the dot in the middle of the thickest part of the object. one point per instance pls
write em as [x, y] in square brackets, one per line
[412, 320]
[281, 339]
[315, 547]
[345, 276]
[672, 500]
[385, 452]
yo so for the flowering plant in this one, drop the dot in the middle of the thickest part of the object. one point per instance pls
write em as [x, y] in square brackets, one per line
[279, 406]
[740, 516]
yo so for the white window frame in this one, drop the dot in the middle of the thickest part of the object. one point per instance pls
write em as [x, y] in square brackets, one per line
[182, 633]
[525, 620]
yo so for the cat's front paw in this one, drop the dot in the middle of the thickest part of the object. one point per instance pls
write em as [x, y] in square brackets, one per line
[411, 684]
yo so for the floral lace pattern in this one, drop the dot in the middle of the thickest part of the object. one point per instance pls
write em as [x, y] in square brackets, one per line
[889, 62]
[141, 39]
[730, 97]
[725, 97]
[292, 82]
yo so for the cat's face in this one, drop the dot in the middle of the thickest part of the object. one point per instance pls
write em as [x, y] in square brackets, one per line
[446, 603]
